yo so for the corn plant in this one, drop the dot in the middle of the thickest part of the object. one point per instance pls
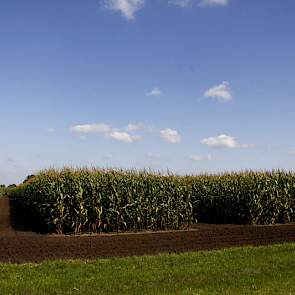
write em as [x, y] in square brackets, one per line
[94, 200]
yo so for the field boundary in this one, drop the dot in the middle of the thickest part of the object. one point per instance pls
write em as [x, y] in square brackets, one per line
[29, 247]
[20, 245]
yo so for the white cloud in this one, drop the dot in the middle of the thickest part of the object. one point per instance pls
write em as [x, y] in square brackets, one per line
[127, 7]
[170, 135]
[91, 128]
[196, 158]
[201, 158]
[221, 92]
[181, 3]
[214, 2]
[154, 92]
[135, 127]
[123, 136]
[187, 3]
[153, 156]
[223, 141]
[292, 152]
[108, 131]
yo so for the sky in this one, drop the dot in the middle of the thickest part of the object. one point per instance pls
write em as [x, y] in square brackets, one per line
[189, 86]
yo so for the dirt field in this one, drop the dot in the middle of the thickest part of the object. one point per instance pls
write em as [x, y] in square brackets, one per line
[18, 244]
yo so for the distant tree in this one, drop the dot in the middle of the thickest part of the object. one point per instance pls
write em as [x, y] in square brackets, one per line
[11, 186]
[29, 178]
[2, 186]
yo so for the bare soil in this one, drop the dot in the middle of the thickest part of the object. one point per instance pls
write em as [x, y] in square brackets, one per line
[19, 242]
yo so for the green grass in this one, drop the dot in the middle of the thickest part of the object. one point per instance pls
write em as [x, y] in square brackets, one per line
[250, 270]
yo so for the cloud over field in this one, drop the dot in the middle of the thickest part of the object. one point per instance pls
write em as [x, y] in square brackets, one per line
[154, 92]
[223, 141]
[187, 3]
[91, 128]
[128, 8]
[221, 92]
[214, 2]
[198, 158]
[181, 3]
[170, 136]
[135, 127]
[123, 136]
[109, 131]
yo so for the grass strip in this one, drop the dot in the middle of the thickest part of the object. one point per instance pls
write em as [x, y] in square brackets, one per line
[247, 270]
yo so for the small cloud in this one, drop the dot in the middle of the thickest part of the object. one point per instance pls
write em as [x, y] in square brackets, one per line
[220, 92]
[196, 158]
[170, 135]
[51, 130]
[123, 136]
[154, 92]
[188, 3]
[213, 2]
[223, 141]
[128, 8]
[181, 3]
[153, 156]
[114, 133]
[91, 128]
[201, 158]
[135, 127]
[291, 152]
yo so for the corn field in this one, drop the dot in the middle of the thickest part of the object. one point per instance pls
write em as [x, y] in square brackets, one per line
[92, 200]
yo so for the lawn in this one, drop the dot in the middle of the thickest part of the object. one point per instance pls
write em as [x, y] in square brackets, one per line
[248, 270]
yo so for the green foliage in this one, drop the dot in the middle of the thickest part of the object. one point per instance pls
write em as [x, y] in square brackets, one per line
[2, 190]
[85, 200]
[243, 271]
[29, 178]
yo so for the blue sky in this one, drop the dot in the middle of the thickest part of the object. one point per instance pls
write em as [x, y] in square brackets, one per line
[190, 86]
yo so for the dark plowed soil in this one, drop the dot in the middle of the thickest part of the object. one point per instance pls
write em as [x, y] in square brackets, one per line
[18, 246]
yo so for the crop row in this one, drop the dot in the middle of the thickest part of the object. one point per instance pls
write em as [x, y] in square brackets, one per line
[92, 200]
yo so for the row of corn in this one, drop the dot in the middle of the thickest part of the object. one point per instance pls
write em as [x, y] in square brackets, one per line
[92, 200]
